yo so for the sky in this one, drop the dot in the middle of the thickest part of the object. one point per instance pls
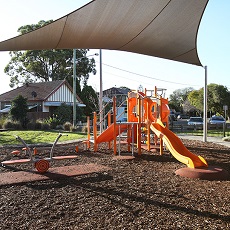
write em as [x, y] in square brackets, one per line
[129, 69]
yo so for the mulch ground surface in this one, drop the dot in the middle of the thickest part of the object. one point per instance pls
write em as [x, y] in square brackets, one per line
[139, 193]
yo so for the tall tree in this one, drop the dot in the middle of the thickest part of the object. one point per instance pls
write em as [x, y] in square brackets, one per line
[47, 65]
[196, 99]
[178, 97]
[90, 99]
[218, 96]
[19, 110]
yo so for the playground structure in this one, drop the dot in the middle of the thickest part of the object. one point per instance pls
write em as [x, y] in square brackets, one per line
[146, 128]
[41, 164]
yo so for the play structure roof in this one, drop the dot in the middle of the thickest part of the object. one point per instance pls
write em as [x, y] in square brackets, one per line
[161, 28]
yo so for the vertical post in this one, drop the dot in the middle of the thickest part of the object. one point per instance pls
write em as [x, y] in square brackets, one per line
[205, 107]
[74, 88]
[95, 130]
[114, 126]
[88, 132]
[129, 136]
[109, 123]
[148, 125]
[100, 95]
[139, 125]
[160, 112]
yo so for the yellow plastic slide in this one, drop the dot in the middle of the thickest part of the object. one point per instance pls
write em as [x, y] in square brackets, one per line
[107, 135]
[176, 147]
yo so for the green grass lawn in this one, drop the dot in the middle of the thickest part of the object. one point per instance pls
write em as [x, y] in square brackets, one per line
[37, 137]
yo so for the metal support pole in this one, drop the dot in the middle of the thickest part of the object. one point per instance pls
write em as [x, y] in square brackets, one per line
[101, 94]
[74, 88]
[205, 107]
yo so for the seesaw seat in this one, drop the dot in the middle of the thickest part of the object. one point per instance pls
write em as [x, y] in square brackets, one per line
[18, 161]
[64, 157]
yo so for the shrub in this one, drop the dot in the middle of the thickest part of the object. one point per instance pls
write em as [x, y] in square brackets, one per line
[59, 127]
[63, 113]
[45, 126]
[38, 125]
[67, 126]
[31, 126]
[84, 129]
[15, 125]
[2, 121]
[53, 121]
[8, 124]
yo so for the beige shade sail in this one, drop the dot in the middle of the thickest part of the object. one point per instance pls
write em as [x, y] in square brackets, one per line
[161, 28]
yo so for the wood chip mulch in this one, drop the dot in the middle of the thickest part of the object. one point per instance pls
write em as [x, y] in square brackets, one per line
[142, 193]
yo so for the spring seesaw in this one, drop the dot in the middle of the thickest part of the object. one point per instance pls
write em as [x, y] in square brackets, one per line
[41, 164]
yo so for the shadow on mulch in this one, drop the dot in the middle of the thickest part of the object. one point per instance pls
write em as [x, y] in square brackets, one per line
[112, 194]
[157, 158]
[65, 180]
[90, 184]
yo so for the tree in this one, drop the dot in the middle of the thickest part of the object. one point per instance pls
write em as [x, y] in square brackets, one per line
[64, 113]
[177, 99]
[218, 96]
[188, 108]
[196, 99]
[19, 110]
[47, 65]
[90, 99]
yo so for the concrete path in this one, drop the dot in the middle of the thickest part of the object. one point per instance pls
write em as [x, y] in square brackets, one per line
[217, 140]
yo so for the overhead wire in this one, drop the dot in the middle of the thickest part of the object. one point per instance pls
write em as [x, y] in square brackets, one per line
[152, 78]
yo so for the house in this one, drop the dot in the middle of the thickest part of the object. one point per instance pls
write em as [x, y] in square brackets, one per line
[120, 93]
[42, 98]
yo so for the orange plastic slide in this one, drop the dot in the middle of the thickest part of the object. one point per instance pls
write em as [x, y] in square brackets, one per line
[107, 135]
[176, 147]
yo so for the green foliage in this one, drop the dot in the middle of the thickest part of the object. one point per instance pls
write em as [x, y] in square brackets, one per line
[47, 65]
[2, 121]
[90, 99]
[53, 121]
[18, 110]
[193, 100]
[64, 113]
[59, 127]
[196, 99]
[12, 125]
[178, 98]
[79, 114]
[218, 96]
[38, 124]
[45, 126]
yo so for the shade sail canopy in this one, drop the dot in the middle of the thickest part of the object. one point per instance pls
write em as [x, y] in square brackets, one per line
[161, 28]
